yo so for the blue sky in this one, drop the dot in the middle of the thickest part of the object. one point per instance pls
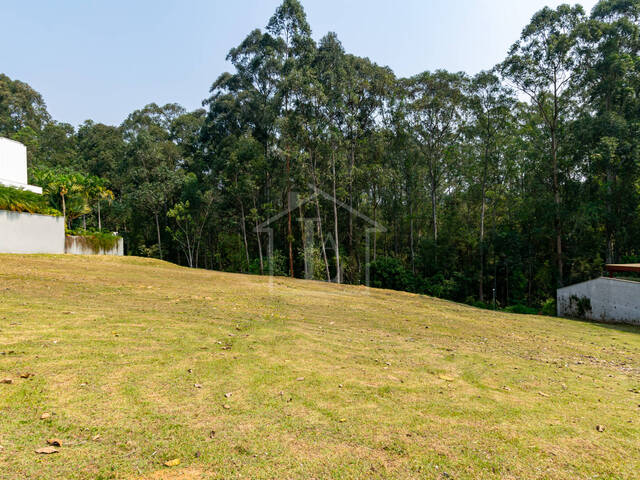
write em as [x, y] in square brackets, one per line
[103, 59]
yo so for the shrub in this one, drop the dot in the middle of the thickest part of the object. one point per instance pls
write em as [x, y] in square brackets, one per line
[549, 307]
[18, 200]
[388, 272]
[522, 309]
[279, 265]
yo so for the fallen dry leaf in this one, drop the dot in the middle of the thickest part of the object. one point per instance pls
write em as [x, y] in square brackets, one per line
[542, 394]
[299, 379]
[600, 428]
[47, 450]
[172, 463]
[6, 380]
[227, 395]
[226, 406]
[197, 385]
[55, 442]
[45, 415]
[27, 375]
[448, 378]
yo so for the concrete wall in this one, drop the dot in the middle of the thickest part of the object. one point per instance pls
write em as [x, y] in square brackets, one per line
[609, 300]
[13, 165]
[76, 245]
[28, 233]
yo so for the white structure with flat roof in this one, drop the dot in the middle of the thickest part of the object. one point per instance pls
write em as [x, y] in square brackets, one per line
[22, 232]
[13, 165]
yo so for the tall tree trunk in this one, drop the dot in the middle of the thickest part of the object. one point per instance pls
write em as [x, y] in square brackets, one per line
[411, 241]
[319, 217]
[352, 162]
[158, 231]
[258, 238]
[375, 234]
[302, 227]
[556, 197]
[409, 191]
[610, 231]
[482, 213]
[99, 217]
[289, 228]
[434, 219]
[243, 226]
[335, 219]
[64, 209]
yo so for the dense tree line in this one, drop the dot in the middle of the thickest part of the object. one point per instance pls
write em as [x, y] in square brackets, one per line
[510, 183]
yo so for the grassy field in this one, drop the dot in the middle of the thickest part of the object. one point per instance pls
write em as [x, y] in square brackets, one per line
[132, 359]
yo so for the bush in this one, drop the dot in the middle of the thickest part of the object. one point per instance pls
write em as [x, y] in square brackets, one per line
[549, 307]
[279, 265]
[522, 309]
[18, 200]
[440, 286]
[388, 272]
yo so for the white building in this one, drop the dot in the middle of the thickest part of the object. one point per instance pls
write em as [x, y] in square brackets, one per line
[604, 299]
[13, 165]
[22, 232]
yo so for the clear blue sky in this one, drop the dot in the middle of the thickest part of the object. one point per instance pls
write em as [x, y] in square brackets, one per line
[103, 59]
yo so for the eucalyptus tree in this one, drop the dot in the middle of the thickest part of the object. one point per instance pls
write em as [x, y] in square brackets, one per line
[435, 109]
[608, 129]
[311, 133]
[330, 70]
[542, 64]
[366, 86]
[488, 134]
[292, 32]
[151, 165]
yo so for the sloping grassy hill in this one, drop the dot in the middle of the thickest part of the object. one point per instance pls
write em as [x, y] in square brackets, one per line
[132, 358]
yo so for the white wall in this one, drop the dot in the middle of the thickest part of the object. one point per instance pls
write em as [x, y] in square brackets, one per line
[612, 300]
[76, 246]
[28, 233]
[13, 161]
[13, 165]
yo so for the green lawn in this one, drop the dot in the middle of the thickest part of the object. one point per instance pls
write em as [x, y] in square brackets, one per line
[133, 358]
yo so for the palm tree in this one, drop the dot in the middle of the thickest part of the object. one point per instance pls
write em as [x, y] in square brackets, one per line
[97, 191]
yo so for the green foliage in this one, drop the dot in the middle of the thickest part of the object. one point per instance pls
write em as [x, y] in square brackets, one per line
[18, 200]
[388, 272]
[21, 107]
[580, 305]
[521, 309]
[549, 307]
[96, 240]
[276, 264]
